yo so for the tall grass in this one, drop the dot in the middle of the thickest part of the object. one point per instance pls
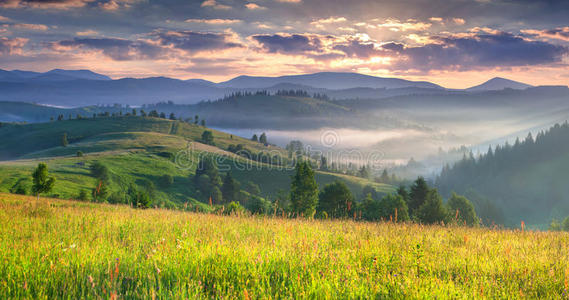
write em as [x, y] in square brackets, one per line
[64, 249]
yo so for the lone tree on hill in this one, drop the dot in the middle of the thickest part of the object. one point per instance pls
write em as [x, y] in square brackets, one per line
[304, 190]
[43, 183]
[263, 138]
[64, 141]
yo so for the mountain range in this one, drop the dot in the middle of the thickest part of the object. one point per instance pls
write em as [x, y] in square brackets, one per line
[83, 87]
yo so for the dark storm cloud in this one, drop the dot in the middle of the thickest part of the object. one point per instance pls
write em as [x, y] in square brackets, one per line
[478, 51]
[44, 4]
[117, 49]
[196, 41]
[289, 44]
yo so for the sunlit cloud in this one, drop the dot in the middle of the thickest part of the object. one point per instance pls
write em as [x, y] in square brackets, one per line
[213, 4]
[254, 6]
[396, 25]
[459, 21]
[214, 21]
[561, 33]
[12, 46]
[87, 33]
[39, 27]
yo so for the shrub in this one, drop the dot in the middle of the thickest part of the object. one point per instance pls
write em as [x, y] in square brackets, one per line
[166, 180]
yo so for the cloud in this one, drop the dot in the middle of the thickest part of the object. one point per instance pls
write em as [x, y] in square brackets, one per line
[37, 27]
[475, 51]
[213, 4]
[214, 21]
[359, 49]
[561, 33]
[12, 46]
[254, 6]
[197, 41]
[458, 21]
[88, 32]
[117, 49]
[288, 43]
[44, 4]
[411, 24]
[290, 1]
[4, 19]
[436, 19]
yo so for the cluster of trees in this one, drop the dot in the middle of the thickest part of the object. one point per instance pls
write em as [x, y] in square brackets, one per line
[261, 156]
[421, 203]
[261, 139]
[224, 190]
[153, 113]
[559, 226]
[387, 179]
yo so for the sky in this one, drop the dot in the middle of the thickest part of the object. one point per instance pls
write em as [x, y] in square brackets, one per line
[454, 43]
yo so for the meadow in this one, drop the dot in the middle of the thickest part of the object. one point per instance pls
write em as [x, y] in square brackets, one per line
[68, 249]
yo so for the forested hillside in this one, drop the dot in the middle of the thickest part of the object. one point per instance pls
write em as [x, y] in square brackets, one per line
[524, 181]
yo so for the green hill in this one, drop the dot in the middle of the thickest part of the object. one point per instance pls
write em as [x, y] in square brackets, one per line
[137, 151]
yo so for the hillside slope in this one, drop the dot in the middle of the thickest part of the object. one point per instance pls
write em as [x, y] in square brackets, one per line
[527, 180]
[137, 151]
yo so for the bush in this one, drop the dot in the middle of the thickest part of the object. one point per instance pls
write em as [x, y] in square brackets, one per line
[20, 190]
[141, 200]
[166, 180]
[463, 210]
[565, 224]
[83, 195]
[79, 153]
[233, 208]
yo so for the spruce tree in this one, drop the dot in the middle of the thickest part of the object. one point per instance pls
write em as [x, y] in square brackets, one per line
[418, 195]
[304, 190]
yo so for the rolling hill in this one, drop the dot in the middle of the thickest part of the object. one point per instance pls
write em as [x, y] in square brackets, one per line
[139, 150]
[498, 83]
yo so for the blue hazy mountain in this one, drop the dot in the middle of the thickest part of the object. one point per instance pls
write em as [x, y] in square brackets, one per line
[327, 80]
[498, 83]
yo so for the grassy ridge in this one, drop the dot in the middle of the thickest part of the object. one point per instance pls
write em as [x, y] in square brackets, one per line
[131, 147]
[56, 248]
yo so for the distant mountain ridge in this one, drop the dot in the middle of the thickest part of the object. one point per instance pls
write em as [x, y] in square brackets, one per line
[53, 75]
[74, 88]
[499, 83]
[327, 80]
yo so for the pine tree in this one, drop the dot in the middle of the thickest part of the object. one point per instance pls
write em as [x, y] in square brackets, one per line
[304, 190]
[432, 210]
[230, 188]
[263, 139]
[418, 195]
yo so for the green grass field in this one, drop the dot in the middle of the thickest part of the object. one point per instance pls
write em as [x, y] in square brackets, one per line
[66, 249]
